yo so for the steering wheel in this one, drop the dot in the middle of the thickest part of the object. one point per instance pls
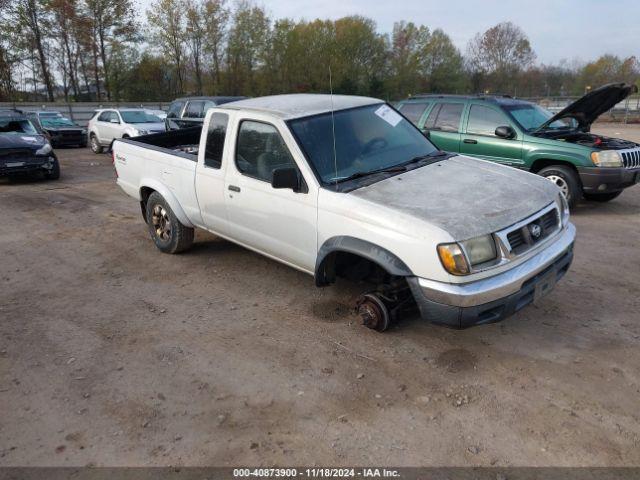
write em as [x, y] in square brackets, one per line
[374, 144]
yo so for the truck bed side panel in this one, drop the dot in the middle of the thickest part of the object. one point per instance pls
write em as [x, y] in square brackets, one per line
[170, 173]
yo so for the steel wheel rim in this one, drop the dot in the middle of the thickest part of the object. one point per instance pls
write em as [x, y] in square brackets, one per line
[161, 223]
[561, 183]
[94, 144]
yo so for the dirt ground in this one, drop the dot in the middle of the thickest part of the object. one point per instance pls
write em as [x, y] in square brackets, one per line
[112, 353]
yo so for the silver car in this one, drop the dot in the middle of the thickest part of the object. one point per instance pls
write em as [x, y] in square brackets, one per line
[108, 124]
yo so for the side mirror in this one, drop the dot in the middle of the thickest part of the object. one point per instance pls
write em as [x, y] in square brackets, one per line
[285, 178]
[505, 132]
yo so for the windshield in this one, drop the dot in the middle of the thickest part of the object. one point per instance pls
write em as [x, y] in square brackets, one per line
[366, 138]
[16, 126]
[531, 116]
[56, 121]
[139, 116]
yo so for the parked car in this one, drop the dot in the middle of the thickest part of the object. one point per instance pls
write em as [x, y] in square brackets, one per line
[108, 124]
[522, 134]
[190, 111]
[467, 241]
[59, 130]
[23, 150]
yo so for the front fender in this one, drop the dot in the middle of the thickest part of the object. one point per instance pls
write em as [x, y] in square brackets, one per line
[383, 257]
[168, 196]
[576, 158]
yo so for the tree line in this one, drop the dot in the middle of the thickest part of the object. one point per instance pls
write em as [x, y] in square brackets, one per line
[98, 50]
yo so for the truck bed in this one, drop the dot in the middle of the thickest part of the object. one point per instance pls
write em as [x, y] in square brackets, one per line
[165, 162]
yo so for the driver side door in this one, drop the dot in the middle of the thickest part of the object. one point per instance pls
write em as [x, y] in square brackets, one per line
[480, 140]
[279, 223]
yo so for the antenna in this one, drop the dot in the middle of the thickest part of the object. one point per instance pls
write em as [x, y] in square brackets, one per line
[333, 131]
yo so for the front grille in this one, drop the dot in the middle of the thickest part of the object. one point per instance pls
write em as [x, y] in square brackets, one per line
[631, 158]
[526, 236]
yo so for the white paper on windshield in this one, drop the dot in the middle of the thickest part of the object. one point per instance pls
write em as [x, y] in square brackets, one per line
[388, 115]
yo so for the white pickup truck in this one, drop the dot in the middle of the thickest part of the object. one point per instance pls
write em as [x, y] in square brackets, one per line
[346, 186]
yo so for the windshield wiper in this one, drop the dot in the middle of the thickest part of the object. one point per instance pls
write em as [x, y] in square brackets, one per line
[353, 176]
[401, 167]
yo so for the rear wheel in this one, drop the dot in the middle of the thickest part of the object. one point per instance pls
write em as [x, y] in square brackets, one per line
[602, 197]
[95, 145]
[566, 180]
[169, 235]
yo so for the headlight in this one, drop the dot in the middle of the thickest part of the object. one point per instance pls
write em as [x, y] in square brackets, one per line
[606, 158]
[142, 132]
[84, 131]
[458, 258]
[564, 209]
[46, 148]
[480, 249]
[453, 259]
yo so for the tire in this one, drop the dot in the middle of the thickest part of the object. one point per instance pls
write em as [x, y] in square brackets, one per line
[566, 179]
[95, 146]
[169, 235]
[54, 173]
[602, 197]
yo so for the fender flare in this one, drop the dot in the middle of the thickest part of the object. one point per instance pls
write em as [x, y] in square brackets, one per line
[324, 268]
[168, 196]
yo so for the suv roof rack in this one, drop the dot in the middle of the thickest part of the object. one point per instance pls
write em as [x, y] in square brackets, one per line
[453, 95]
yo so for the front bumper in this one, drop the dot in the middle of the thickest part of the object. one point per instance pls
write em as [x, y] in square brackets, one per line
[26, 165]
[495, 298]
[606, 180]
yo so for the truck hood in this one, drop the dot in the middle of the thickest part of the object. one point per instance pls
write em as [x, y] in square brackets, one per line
[463, 196]
[589, 107]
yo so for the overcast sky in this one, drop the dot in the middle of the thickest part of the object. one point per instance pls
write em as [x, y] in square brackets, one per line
[560, 29]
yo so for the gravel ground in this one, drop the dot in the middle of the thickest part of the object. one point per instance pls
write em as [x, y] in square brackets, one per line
[113, 354]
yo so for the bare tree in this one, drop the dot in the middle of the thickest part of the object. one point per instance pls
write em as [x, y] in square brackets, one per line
[33, 17]
[501, 52]
[216, 20]
[195, 33]
[167, 27]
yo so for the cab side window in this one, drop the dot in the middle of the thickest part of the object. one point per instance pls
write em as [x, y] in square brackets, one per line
[260, 150]
[484, 120]
[445, 117]
[194, 110]
[215, 140]
[413, 111]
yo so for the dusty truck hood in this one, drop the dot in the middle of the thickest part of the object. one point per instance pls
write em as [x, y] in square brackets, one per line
[589, 107]
[463, 196]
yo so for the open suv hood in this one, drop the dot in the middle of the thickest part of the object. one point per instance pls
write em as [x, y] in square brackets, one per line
[589, 107]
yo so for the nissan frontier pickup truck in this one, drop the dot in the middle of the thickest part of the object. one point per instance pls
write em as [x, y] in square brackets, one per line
[344, 186]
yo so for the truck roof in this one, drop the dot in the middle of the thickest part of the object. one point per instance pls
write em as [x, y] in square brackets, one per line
[299, 105]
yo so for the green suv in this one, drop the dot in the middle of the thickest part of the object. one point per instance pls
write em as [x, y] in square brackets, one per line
[524, 135]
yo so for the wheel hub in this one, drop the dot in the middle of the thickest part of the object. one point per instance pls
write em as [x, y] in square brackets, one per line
[161, 223]
[560, 183]
[373, 312]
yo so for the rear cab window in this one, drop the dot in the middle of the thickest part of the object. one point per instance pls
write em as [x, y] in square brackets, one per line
[216, 135]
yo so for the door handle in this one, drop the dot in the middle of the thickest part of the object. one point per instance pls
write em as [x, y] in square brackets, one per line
[233, 188]
[469, 140]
